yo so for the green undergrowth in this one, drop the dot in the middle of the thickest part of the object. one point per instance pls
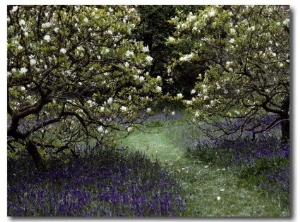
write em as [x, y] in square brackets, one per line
[210, 190]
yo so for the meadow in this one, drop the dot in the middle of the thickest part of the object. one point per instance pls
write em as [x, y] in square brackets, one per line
[167, 168]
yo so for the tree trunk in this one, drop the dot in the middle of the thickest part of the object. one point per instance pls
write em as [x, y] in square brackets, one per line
[285, 121]
[285, 129]
[37, 158]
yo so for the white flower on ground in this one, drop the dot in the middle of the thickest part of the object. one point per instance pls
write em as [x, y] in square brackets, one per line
[63, 51]
[218, 198]
[85, 19]
[102, 109]
[148, 110]
[231, 40]
[129, 129]
[20, 47]
[173, 113]
[197, 114]
[158, 78]
[222, 189]
[47, 38]
[193, 91]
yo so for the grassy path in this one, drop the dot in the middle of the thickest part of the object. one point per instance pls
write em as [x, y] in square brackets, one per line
[209, 190]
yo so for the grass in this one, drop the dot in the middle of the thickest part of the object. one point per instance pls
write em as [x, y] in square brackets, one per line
[154, 176]
[210, 190]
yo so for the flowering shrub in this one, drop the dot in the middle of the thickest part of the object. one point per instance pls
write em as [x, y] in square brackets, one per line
[245, 51]
[79, 67]
[110, 183]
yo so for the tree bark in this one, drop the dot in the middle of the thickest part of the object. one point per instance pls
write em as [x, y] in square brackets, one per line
[36, 156]
[285, 121]
[285, 129]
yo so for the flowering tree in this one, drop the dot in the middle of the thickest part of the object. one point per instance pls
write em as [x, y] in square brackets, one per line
[246, 50]
[74, 77]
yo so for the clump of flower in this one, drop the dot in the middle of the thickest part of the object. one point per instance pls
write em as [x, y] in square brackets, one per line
[109, 183]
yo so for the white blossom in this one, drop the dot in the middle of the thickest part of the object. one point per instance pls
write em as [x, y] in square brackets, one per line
[23, 70]
[63, 51]
[32, 62]
[212, 13]
[85, 19]
[193, 91]
[123, 108]
[142, 78]
[22, 88]
[148, 110]
[129, 129]
[173, 113]
[110, 100]
[158, 78]
[126, 64]
[46, 25]
[187, 58]
[286, 22]
[158, 88]
[129, 53]
[171, 39]
[14, 9]
[47, 38]
[109, 32]
[179, 95]
[252, 28]
[56, 29]
[21, 22]
[102, 109]
[149, 58]
[145, 49]
[100, 129]
[20, 47]
[231, 40]
[232, 31]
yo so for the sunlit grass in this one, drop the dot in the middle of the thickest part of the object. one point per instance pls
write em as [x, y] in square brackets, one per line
[210, 190]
